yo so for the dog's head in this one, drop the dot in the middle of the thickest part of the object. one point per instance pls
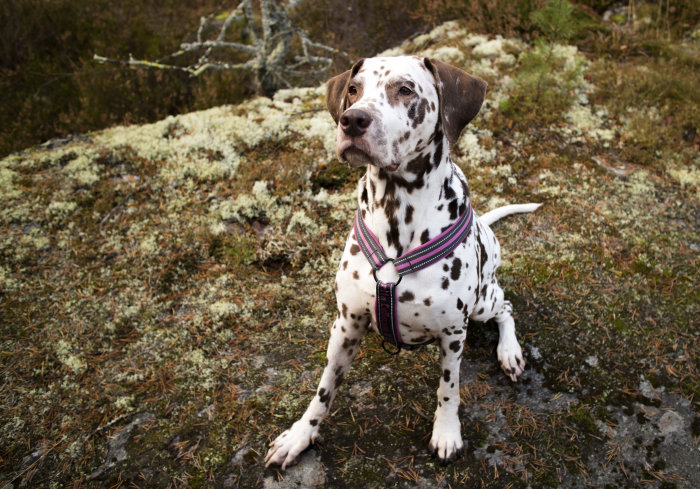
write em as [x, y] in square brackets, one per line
[389, 110]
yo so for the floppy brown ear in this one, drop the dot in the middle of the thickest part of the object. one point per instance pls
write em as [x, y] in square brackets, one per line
[336, 88]
[460, 94]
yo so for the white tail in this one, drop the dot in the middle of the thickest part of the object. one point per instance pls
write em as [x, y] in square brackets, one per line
[500, 212]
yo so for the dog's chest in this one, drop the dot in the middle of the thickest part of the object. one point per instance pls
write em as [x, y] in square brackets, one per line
[433, 300]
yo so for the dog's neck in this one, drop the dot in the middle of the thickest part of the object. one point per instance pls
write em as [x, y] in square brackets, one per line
[407, 208]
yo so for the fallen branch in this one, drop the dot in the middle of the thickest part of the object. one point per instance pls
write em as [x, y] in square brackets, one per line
[271, 59]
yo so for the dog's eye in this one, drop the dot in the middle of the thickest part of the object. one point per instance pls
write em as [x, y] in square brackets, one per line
[405, 91]
[352, 90]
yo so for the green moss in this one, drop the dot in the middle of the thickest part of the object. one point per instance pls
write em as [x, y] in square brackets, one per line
[335, 175]
[233, 249]
[583, 418]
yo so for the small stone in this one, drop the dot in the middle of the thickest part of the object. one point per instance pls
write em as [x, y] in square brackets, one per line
[671, 422]
[238, 458]
[310, 472]
[648, 391]
[207, 412]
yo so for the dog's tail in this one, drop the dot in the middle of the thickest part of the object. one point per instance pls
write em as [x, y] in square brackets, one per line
[500, 212]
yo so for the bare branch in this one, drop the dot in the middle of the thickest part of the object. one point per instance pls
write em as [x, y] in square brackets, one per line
[202, 24]
[193, 71]
[191, 46]
[248, 65]
[135, 62]
[268, 56]
[234, 15]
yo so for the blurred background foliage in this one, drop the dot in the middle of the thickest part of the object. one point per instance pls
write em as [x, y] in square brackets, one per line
[50, 86]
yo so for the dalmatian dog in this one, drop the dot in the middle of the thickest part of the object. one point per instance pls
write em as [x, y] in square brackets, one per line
[398, 116]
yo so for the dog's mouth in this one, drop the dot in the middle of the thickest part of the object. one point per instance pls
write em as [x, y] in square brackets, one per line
[392, 167]
[355, 157]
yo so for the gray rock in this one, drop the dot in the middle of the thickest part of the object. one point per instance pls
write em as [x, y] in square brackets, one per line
[308, 473]
[117, 445]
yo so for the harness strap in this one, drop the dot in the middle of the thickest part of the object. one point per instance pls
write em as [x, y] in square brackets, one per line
[385, 310]
[414, 260]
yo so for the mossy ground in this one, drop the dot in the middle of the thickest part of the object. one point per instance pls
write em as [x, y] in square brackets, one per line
[172, 283]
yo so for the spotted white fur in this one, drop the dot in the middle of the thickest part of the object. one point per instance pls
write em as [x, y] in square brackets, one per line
[398, 116]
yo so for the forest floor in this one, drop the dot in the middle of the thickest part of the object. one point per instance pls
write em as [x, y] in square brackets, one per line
[166, 290]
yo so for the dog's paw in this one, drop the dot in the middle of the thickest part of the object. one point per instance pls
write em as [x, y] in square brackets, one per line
[446, 442]
[285, 449]
[510, 355]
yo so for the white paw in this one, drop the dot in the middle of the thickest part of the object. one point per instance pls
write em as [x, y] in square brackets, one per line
[510, 355]
[446, 441]
[285, 449]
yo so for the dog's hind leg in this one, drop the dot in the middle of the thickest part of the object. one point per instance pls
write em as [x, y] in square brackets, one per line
[509, 353]
[492, 305]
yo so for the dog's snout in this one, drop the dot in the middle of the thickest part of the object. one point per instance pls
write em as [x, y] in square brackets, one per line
[354, 122]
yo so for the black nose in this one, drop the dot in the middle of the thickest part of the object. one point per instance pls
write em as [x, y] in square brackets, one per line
[354, 122]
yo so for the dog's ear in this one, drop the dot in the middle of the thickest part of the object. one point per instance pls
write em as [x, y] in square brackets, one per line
[337, 88]
[460, 94]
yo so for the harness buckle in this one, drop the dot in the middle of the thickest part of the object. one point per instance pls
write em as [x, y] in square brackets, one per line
[374, 274]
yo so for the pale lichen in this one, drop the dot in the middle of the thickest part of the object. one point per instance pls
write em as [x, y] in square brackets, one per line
[687, 177]
[7, 185]
[300, 221]
[472, 150]
[61, 209]
[259, 204]
[222, 309]
[67, 356]
[7, 282]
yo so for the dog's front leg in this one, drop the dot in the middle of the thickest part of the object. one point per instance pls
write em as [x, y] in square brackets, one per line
[446, 441]
[343, 345]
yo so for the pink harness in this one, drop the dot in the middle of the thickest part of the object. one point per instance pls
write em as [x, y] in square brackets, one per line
[420, 257]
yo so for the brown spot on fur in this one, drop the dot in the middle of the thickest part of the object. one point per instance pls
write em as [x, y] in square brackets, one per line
[453, 208]
[419, 165]
[409, 214]
[324, 396]
[456, 269]
[406, 296]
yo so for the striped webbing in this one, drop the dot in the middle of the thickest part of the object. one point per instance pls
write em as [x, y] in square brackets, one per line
[416, 259]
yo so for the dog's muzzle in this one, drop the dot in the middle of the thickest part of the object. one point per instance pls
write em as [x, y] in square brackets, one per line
[355, 149]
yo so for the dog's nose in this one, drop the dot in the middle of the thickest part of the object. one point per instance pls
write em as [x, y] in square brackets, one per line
[354, 122]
